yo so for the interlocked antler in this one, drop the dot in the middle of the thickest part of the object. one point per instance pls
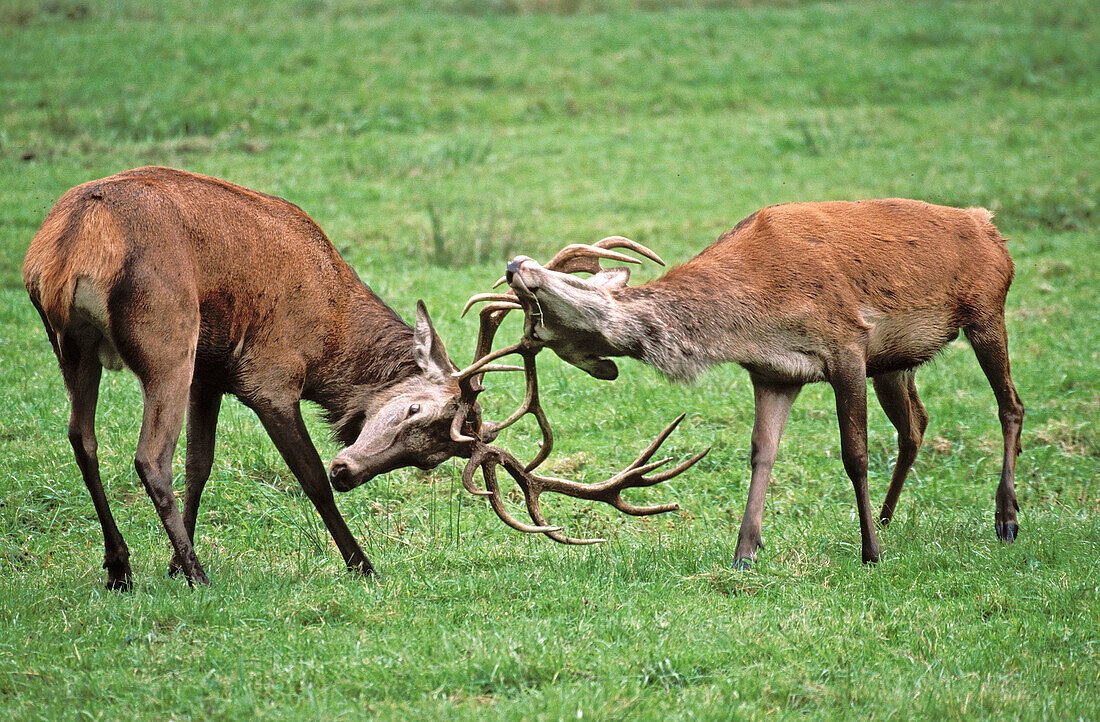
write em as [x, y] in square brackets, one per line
[583, 258]
[468, 426]
[609, 491]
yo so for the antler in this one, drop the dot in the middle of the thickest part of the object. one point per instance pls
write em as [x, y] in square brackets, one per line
[584, 258]
[608, 491]
[469, 380]
[468, 426]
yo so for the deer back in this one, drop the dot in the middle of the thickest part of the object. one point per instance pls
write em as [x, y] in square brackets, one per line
[888, 254]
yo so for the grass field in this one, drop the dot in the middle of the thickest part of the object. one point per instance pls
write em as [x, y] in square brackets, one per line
[434, 141]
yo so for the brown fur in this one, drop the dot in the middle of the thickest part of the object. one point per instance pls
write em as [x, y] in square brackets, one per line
[815, 277]
[202, 288]
[801, 293]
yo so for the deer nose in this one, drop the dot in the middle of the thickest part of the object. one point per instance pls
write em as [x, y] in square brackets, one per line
[340, 475]
[514, 266]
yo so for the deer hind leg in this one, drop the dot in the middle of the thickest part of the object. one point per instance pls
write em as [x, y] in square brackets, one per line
[773, 406]
[157, 341]
[202, 423]
[990, 343]
[81, 370]
[165, 395]
[897, 394]
[848, 376]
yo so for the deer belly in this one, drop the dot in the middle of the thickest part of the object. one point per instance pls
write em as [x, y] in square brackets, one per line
[897, 342]
[783, 362]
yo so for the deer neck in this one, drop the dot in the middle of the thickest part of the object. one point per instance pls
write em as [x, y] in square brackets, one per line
[676, 327]
[370, 351]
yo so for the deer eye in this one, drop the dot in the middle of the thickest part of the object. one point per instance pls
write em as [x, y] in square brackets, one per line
[414, 409]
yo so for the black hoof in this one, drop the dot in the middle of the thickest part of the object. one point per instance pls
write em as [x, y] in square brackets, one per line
[123, 584]
[1007, 532]
[199, 579]
[363, 569]
[742, 565]
[119, 576]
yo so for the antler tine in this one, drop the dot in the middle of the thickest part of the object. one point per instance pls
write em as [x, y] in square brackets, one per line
[501, 301]
[621, 242]
[456, 426]
[484, 364]
[634, 510]
[579, 257]
[547, 443]
[676, 470]
[645, 454]
[491, 316]
[486, 368]
[501, 306]
[476, 460]
[608, 491]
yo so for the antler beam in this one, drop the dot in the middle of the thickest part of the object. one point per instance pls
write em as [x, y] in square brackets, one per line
[585, 258]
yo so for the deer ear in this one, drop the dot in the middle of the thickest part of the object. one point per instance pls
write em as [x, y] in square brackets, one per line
[428, 350]
[611, 278]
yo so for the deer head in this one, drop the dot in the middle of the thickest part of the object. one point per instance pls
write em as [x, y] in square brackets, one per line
[577, 318]
[538, 334]
[409, 424]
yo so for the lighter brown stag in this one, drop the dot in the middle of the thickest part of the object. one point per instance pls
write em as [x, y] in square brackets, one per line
[203, 288]
[800, 293]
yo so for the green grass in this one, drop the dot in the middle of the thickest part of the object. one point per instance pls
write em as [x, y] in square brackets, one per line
[432, 142]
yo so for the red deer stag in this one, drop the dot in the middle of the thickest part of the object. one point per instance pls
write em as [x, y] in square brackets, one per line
[801, 293]
[203, 288]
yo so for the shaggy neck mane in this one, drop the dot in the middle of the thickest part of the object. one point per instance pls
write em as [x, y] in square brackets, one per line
[659, 323]
[378, 354]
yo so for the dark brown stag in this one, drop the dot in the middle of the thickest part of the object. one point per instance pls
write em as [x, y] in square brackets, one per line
[802, 293]
[202, 288]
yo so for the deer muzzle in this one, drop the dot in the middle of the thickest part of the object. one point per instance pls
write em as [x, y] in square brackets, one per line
[352, 467]
[513, 274]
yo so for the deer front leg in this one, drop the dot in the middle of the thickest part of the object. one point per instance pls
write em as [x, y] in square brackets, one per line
[848, 377]
[285, 427]
[773, 406]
